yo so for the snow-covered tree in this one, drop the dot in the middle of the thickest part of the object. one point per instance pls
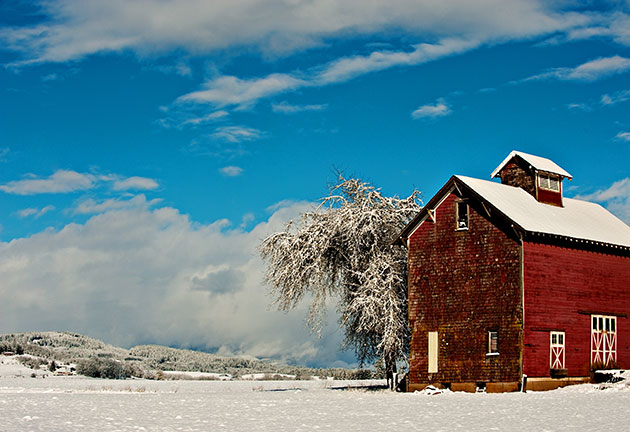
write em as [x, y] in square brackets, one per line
[342, 250]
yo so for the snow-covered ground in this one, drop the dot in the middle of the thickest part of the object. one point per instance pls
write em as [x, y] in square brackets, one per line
[58, 403]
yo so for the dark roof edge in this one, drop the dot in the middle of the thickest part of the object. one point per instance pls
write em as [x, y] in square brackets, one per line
[401, 239]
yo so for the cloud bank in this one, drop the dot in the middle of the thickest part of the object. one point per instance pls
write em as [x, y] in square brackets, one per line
[138, 274]
[592, 70]
[616, 198]
[75, 28]
[66, 181]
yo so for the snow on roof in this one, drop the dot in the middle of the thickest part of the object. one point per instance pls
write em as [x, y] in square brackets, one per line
[577, 219]
[539, 163]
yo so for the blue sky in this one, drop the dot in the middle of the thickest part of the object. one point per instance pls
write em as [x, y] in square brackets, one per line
[146, 147]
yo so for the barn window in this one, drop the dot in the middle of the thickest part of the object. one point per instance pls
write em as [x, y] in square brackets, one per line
[549, 182]
[493, 342]
[462, 215]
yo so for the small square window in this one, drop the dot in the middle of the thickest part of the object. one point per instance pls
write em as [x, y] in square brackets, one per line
[549, 182]
[462, 215]
[493, 342]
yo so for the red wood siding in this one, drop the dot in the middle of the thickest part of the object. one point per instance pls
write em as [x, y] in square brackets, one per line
[463, 284]
[558, 283]
[550, 197]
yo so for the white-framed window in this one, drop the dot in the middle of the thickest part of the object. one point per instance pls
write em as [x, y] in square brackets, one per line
[493, 342]
[556, 350]
[461, 214]
[549, 182]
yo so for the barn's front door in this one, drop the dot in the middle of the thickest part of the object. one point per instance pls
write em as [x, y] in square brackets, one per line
[603, 341]
[556, 350]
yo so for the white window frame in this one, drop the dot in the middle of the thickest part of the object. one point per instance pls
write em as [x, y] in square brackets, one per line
[493, 351]
[459, 227]
[545, 181]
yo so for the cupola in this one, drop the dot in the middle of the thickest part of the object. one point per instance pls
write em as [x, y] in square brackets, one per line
[540, 177]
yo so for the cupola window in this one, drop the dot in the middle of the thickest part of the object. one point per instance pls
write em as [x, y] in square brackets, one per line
[549, 182]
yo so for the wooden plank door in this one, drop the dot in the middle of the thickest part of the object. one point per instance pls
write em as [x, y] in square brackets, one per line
[603, 341]
[556, 350]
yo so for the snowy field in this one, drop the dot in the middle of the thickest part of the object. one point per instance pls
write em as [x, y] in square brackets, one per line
[80, 404]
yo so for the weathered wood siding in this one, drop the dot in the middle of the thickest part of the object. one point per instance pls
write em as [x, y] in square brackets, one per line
[519, 175]
[463, 284]
[560, 283]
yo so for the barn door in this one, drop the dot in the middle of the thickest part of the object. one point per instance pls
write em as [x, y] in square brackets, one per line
[433, 352]
[556, 350]
[603, 340]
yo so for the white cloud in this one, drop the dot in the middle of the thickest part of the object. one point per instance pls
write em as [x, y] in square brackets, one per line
[35, 212]
[65, 181]
[231, 171]
[349, 67]
[623, 136]
[579, 106]
[140, 275]
[286, 108]
[615, 98]
[440, 109]
[181, 117]
[181, 68]
[590, 71]
[246, 220]
[154, 27]
[91, 206]
[244, 93]
[616, 198]
[597, 69]
[62, 181]
[208, 118]
[76, 28]
[620, 28]
[136, 183]
[230, 90]
[236, 134]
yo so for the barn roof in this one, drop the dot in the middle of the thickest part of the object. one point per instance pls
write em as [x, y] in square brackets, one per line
[578, 220]
[537, 162]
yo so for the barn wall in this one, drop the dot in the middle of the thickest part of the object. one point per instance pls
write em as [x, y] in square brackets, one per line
[518, 174]
[463, 284]
[550, 197]
[558, 283]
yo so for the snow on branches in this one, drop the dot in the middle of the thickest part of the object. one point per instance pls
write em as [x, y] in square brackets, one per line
[342, 250]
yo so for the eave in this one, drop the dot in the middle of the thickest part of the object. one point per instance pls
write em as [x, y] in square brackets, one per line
[521, 233]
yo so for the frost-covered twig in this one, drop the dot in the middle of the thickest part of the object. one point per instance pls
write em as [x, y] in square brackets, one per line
[343, 250]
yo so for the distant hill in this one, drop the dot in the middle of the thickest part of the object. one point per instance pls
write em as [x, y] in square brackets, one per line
[147, 360]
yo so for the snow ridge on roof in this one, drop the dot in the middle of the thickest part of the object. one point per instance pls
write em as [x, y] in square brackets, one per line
[577, 219]
[539, 164]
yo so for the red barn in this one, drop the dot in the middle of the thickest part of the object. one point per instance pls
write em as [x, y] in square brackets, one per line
[512, 283]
